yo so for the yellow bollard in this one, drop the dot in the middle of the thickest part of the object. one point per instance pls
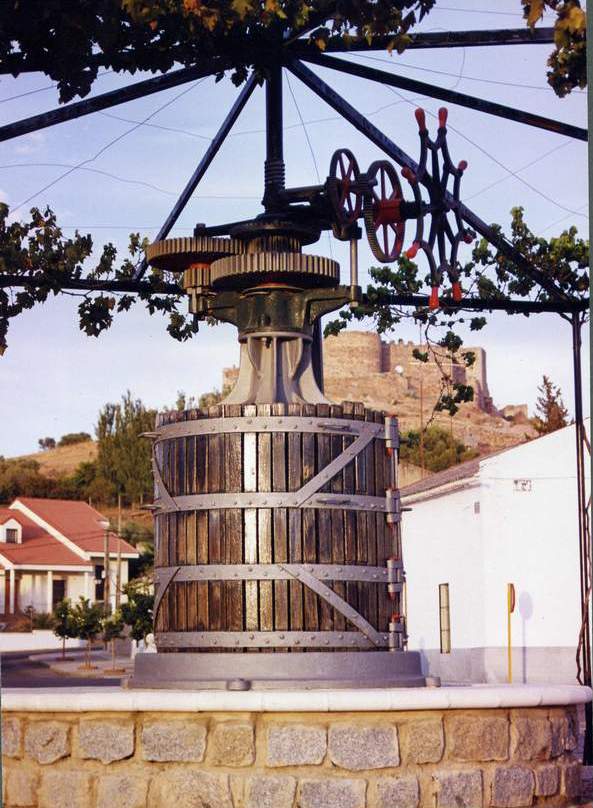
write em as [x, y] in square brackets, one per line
[510, 610]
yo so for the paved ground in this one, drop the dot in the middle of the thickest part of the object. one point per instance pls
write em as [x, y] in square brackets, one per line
[21, 671]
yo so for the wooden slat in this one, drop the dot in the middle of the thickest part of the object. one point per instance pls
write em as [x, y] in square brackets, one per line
[361, 519]
[371, 525]
[264, 524]
[310, 614]
[350, 554]
[381, 484]
[215, 521]
[337, 519]
[324, 521]
[201, 483]
[295, 522]
[279, 483]
[250, 522]
[233, 551]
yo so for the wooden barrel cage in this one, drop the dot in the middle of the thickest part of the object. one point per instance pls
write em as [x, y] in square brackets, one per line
[277, 529]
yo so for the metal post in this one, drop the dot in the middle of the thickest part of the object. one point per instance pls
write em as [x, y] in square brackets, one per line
[106, 592]
[118, 572]
[584, 652]
[274, 164]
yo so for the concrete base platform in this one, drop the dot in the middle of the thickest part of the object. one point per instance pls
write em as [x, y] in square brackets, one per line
[272, 671]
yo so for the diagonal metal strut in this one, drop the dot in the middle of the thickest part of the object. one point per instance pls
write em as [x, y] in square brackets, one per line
[452, 96]
[203, 165]
[109, 99]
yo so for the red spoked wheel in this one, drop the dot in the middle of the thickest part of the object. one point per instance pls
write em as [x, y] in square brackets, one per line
[343, 173]
[384, 225]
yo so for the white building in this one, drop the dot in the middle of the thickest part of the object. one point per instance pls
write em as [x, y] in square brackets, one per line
[506, 518]
[53, 548]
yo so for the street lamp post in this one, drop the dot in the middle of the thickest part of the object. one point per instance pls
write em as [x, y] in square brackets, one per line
[106, 588]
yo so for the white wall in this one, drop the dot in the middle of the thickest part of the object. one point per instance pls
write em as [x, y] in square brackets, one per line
[531, 540]
[32, 589]
[525, 533]
[34, 641]
[442, 543]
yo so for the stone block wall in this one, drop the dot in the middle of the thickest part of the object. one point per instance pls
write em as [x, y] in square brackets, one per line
[504, 758]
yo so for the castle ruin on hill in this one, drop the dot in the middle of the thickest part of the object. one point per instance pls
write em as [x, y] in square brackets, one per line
[361, 366]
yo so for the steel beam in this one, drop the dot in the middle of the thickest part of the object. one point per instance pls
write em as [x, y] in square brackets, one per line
[109, 99]
[414, 301]
[478, 304]
[376, 136]
[204, 164]
[435, 39]
[451, 96]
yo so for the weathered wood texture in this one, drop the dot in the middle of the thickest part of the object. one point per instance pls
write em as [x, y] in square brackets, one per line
[278, 461]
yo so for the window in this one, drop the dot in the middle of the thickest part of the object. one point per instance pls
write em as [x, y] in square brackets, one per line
[444, 618]
[12, 535]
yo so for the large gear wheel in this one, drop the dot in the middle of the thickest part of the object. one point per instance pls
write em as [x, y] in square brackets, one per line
[383, 221]
[254, 269]
[179, 254]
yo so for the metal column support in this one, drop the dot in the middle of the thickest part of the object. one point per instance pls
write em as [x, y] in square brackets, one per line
[274, 164]
[584, 649]
[203, 165]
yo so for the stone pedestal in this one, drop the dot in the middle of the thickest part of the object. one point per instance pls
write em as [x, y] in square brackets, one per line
[465, 747]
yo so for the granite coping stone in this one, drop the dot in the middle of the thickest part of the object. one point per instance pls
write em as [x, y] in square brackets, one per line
[117, 699]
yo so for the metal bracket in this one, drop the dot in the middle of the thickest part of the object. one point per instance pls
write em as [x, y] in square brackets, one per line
[391, 432]
[267, 639]
[278, 572]
[271, 423]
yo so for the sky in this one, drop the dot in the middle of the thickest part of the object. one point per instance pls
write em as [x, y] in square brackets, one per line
[54, 379]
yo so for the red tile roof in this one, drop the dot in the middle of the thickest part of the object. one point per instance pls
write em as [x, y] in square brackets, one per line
[38, 547]
[76, 521]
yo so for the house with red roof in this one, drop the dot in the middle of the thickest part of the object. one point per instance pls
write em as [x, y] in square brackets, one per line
[52, 549]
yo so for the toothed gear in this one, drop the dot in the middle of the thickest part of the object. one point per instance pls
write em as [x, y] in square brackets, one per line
[178, 254]
[250, 269]
[381, 211]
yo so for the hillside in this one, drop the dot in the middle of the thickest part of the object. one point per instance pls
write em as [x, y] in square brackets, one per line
[63, 459]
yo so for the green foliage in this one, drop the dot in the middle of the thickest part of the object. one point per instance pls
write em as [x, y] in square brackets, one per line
[137, 611]
[124, 458]
[568, 62]
[87, 619]
[36, 255]
[21, 476]
[440, 449]
[551, 414]
[63, 620]
[71, 42]
[113, 627]
[73, 438]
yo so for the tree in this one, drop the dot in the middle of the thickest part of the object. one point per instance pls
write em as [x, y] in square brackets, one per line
[137, 610]
[440, 449]
[63, 623]
[124, 458]
[113, 627]
[87, 619]
[73, 438]
[551, 414]
[72, 42]
[46, 443]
